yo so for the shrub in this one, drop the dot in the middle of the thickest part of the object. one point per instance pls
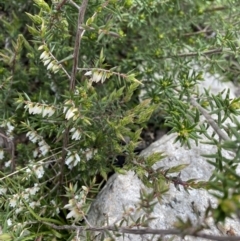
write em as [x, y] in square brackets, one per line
[79, 78]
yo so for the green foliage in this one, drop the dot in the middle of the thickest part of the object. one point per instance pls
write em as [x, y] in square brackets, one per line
[66, 113]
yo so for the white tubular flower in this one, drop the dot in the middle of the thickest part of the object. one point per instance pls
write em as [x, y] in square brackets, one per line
[69, 160]
[8, 163]
[50, 65]
[72, 160]
[48, 110]
[41, 47]
[77, 159]
[29, 106]
[33, 137]
[35, 153]
[76, 134]
[9, 222]
[34, 109]
[37, 109]
[90, 153]
[55, 68]
[51, 111]
[44, 55]
[74, 210]
[71, 113]
[10, 128]
[45, 112]
[43, 147]
[1, 154]
[88, 73]
[96, 76]
[45, 62]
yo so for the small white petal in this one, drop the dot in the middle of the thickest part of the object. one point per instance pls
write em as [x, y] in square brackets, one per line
[51, 111]
[44, 149]
[46, 61]
[44, 55]
[88, 73]
[73, 129]
[45, 112]
[10, 127]
[1, 154]
[39, 171]
[55, 68]
[77, 135]
[9, 222]
[69, 160]
[71, 214]
[37, 109]
[96, 76]
[8, 163]
[50, 65]
[40, 47]
[35, 153]
[77, 157]
[71, 113]
[3, 191]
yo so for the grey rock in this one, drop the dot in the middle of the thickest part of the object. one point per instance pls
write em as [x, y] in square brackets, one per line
[121, 195]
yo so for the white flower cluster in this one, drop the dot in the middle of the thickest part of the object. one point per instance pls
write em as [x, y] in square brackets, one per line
[43, 146]
[9, 129]
[89, 153]
[72, 159]
[70, 110]
[97, 76]
[75, 205]
[48, 60]
[37, 108]
[37, 169]
[16, 200]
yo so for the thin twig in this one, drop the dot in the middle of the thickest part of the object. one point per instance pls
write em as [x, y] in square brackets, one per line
[74, 4]
[210, 120]
[196, 33]
[200, 31]
[72, 84]
[59, 6]
[28, 166]
[80, 30]
[219, 8]
[10, 147]
[106, 71]
[141, 231]
[204, 53]
[59, 64]
[103, 31]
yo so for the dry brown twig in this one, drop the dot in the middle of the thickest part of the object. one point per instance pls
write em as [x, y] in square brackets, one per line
[188, 232]
[80, 32]
[210, 120]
